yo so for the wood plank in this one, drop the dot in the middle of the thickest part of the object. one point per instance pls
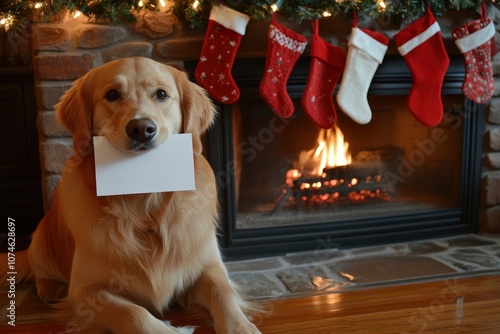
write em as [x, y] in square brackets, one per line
[468, 305]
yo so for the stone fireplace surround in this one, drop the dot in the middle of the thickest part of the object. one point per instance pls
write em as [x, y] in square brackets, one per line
[65, 50]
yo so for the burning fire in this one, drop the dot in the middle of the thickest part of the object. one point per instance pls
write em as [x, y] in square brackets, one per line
[326, 175]
[331, 151]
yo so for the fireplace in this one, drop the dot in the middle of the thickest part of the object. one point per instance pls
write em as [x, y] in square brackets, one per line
[286, 185]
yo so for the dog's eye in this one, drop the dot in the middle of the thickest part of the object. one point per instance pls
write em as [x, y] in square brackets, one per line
[161, 94]
[112, 95]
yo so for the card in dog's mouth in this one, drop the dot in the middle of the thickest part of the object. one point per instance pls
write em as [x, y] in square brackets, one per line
[169, 167]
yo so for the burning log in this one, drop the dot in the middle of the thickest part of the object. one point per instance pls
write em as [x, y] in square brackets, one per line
[322, 191]
[328, 174]
[355, 170]
[357, 181]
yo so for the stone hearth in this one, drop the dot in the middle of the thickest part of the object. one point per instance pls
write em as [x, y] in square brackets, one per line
[326, 270]
[67, 49]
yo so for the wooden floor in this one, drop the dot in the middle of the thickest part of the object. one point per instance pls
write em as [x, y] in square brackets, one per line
[468, 305]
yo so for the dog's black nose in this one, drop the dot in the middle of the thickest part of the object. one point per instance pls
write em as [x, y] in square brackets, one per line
[141, 130]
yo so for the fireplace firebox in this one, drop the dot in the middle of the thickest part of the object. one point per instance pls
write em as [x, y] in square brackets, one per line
[286, 186]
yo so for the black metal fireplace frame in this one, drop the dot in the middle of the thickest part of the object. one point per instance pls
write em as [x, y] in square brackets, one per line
[392, 78]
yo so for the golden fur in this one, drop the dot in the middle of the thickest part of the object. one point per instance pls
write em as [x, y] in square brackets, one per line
[121, 260]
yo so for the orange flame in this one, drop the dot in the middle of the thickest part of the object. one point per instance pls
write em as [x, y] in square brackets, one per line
[331, 150]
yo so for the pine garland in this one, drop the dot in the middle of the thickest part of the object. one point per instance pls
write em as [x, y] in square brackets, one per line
[300, 10]
[16, 14]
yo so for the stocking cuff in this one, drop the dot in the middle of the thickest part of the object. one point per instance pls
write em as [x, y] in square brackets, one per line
[288, 38]
[229, 18]
[368, 44]
[476, 39]
[330, 54]
[419, 39]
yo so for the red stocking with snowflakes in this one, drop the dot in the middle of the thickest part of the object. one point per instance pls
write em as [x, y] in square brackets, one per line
[327, 65]
[225, 29]
[283, 50]
[421, 45]
[474, 41]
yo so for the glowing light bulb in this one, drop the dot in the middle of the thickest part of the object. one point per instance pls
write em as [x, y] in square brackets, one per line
[38, 5]
[163, 3]
[196, 3]
[7, 22]
[140, 3]
[382, 6]
[327, 14]
[77, 14]
[274, 7]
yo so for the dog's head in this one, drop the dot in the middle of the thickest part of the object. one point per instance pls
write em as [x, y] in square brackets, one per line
[136, 103]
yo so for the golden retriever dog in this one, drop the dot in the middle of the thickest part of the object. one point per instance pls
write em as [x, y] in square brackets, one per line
[118, 262]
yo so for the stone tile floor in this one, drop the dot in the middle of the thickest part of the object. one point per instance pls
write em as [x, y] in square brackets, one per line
[329, 270]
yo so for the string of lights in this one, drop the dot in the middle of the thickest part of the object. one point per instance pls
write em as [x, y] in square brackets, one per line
[16, 14]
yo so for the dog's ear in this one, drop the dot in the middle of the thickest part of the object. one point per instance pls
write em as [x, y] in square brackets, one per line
[74, 111]
[198, 111]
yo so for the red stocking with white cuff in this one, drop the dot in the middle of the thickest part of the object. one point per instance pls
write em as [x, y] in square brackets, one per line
[225, 29]
[421, 45]
[284, 48]
[474, 41]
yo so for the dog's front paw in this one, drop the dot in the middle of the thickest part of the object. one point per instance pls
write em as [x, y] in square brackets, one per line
[50, 291]
[180, 330]
[240, 328]
[250, 329]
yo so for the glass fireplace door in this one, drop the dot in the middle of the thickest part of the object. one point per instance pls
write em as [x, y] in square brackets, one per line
[289, 172]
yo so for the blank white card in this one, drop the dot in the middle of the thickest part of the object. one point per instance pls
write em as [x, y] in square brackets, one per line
[169, 167]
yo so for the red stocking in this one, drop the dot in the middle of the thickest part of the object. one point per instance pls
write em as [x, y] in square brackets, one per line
[225, 29]
[283, 50]
[474, 41]
[421, 44]
[327, 65]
